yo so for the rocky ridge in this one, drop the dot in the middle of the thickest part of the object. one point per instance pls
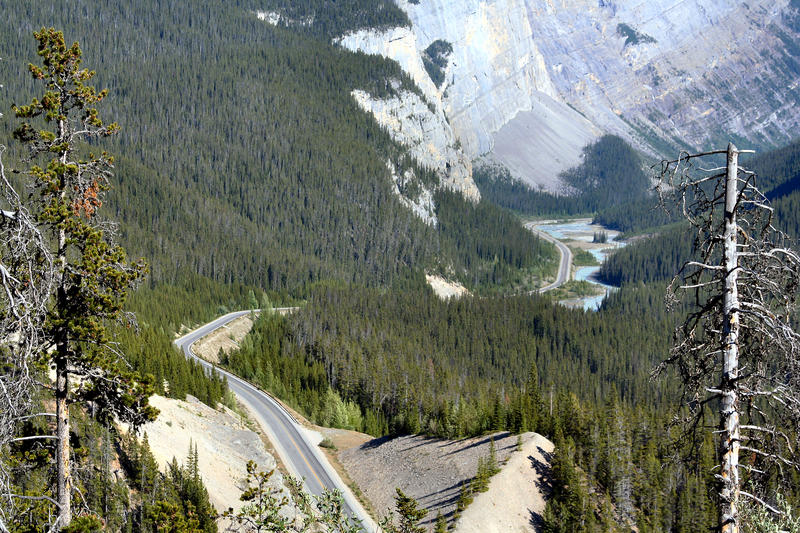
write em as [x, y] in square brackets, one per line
[530, 82]
[433, 471]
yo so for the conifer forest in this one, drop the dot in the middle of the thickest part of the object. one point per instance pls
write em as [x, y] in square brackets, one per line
[207, 161]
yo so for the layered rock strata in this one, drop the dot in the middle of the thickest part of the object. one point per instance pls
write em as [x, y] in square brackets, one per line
[532, 81]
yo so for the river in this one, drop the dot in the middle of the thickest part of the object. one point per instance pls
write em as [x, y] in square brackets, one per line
[580, 233]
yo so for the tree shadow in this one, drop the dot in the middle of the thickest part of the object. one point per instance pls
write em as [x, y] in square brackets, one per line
[423, 440]
[536, 521]
[375, 443]
[497, 437]
[544, 483]
[443, 501]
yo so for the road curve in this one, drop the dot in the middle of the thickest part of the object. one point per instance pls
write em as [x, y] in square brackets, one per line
[564, 265]
[302, 458]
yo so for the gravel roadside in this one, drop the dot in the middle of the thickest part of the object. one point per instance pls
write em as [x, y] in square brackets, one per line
[433, 470]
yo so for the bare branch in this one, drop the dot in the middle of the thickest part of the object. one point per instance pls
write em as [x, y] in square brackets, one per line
[34, 498]
[762, 503]
[34, 437]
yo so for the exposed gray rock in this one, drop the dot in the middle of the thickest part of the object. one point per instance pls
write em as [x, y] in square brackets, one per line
[427, 135]
[537, 145]
[658, 73]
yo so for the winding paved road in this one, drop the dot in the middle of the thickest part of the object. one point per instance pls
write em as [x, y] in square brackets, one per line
[302, 458]
[566, 258]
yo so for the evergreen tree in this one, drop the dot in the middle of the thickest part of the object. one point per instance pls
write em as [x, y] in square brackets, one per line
[166, 517]
[409, 515]
[67, 183]
[262, 510]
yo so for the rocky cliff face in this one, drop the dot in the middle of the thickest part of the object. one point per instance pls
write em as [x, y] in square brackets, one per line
[424, 130]
[530, 82]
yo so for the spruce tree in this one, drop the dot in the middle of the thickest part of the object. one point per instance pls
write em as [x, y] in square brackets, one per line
[440, 526]
[410, 514]
[66, 181]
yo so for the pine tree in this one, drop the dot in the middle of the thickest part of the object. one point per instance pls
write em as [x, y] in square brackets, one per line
[148, 469]
[262, 510]
[440, 525]
[410, 514]
[491, 464]
[67, 183]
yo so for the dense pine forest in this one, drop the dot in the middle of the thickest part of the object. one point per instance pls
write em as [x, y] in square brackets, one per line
[243, 156]
[413, 363]
[247, 177]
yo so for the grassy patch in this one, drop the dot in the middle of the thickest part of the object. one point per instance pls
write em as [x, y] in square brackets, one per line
[581, 257]
[576, 289]
[328, 443]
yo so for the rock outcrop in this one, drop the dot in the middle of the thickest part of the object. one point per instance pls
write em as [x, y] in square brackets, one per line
[530, 82]
[426, 133]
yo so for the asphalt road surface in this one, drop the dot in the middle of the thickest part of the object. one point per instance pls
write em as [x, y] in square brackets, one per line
[302, 458]
[566, 258]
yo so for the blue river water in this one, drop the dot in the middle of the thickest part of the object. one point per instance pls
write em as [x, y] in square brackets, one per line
[582, 230]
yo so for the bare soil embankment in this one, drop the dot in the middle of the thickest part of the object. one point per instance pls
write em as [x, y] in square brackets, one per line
[445, 289]
[433, 470]
[224, 446]
[226, 338]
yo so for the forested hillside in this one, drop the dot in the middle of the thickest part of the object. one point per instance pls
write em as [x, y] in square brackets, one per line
[654, 258]
[415, 363]
[779, 177]
[244, 165]
[242, 156]
[658, 257]
[248, 177]
[610, 174]
[329, 19]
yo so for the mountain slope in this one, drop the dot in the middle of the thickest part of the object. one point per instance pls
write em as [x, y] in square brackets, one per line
[243, 155]
[533, 81]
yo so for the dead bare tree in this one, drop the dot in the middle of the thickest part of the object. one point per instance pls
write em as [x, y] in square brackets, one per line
[736, 351]
[26, 282]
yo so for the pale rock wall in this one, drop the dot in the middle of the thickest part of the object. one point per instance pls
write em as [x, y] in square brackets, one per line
[560, 70]
[700, 79]
[426, 134]
[495, 73]
[400, 44]
[496, 64]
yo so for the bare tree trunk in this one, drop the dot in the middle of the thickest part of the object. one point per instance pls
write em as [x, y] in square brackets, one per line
[63, 475]
[752, 293]
[729, 422]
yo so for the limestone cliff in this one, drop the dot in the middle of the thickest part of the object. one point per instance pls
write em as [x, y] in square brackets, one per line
[426, 134]
[530, 82]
